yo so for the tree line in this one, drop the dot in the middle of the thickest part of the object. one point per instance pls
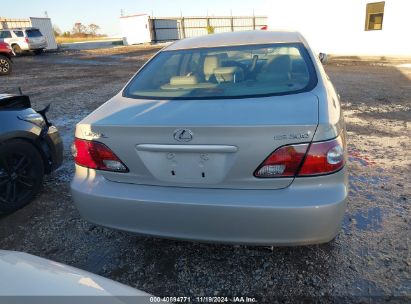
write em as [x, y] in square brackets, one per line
[79, 30]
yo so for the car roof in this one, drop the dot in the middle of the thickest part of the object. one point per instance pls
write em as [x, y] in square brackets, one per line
[237, 38]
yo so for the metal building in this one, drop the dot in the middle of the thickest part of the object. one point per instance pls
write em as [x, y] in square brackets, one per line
[143, 28]
[42, 23]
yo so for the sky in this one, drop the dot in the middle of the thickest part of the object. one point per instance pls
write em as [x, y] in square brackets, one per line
[106, 13]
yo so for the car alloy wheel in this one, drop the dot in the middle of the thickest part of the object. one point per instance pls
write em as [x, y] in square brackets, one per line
[21, 175]
[5, 65]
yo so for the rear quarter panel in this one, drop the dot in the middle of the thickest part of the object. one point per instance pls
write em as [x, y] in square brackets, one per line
[330, 116]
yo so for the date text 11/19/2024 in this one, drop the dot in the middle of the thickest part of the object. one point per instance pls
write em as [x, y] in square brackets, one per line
[204, 299]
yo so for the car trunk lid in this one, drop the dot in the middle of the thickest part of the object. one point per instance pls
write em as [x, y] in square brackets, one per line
[201, 143]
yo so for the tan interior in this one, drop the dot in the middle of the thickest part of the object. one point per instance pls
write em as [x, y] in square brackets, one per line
[186, 82]
[183, 80]
[278, 69]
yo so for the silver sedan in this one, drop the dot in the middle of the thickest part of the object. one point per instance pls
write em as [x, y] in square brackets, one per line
[234, 138]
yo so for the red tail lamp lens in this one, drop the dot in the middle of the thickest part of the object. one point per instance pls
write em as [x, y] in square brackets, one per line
[95, 155]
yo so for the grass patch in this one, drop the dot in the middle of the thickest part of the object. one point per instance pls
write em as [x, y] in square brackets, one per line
[61, 39]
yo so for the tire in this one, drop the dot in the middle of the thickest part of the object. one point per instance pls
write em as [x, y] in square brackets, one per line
[38, 52]
[5, 65]
[17, 49]
[21, 174]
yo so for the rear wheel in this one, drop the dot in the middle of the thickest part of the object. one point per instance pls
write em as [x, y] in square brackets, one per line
[21, 174]
[17, 49]
[5, 65]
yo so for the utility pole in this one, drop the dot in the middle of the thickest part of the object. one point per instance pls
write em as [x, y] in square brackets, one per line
[232, 20]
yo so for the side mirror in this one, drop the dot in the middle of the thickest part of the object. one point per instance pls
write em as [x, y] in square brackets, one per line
[323, 58]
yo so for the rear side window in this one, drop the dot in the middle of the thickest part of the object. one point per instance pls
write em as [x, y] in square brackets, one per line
[33, 33]
[225, 72]
[5, 34]
[19, 33]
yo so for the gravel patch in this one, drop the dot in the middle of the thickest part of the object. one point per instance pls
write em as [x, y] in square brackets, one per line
[369, 260]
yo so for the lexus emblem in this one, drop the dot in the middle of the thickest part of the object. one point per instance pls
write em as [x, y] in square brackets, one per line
[183, 135]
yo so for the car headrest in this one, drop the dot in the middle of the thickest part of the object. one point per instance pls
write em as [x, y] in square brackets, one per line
[210, 64]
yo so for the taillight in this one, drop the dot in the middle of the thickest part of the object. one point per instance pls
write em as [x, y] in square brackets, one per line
[95, 155]
[283, 162]
[324, 157]
[27, 39]
[294, 160]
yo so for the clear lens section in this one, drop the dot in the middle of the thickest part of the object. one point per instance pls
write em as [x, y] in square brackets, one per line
[271, 170]
[335, 155]
[114, 165]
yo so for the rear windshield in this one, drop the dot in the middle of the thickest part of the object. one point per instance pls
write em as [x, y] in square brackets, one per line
[225, 72]
[33, 33]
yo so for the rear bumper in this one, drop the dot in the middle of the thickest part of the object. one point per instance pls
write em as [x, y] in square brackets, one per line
[32, 46]
[307, 212]
[37, 46]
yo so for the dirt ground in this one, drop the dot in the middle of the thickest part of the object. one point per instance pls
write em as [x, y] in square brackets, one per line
[369, 260]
